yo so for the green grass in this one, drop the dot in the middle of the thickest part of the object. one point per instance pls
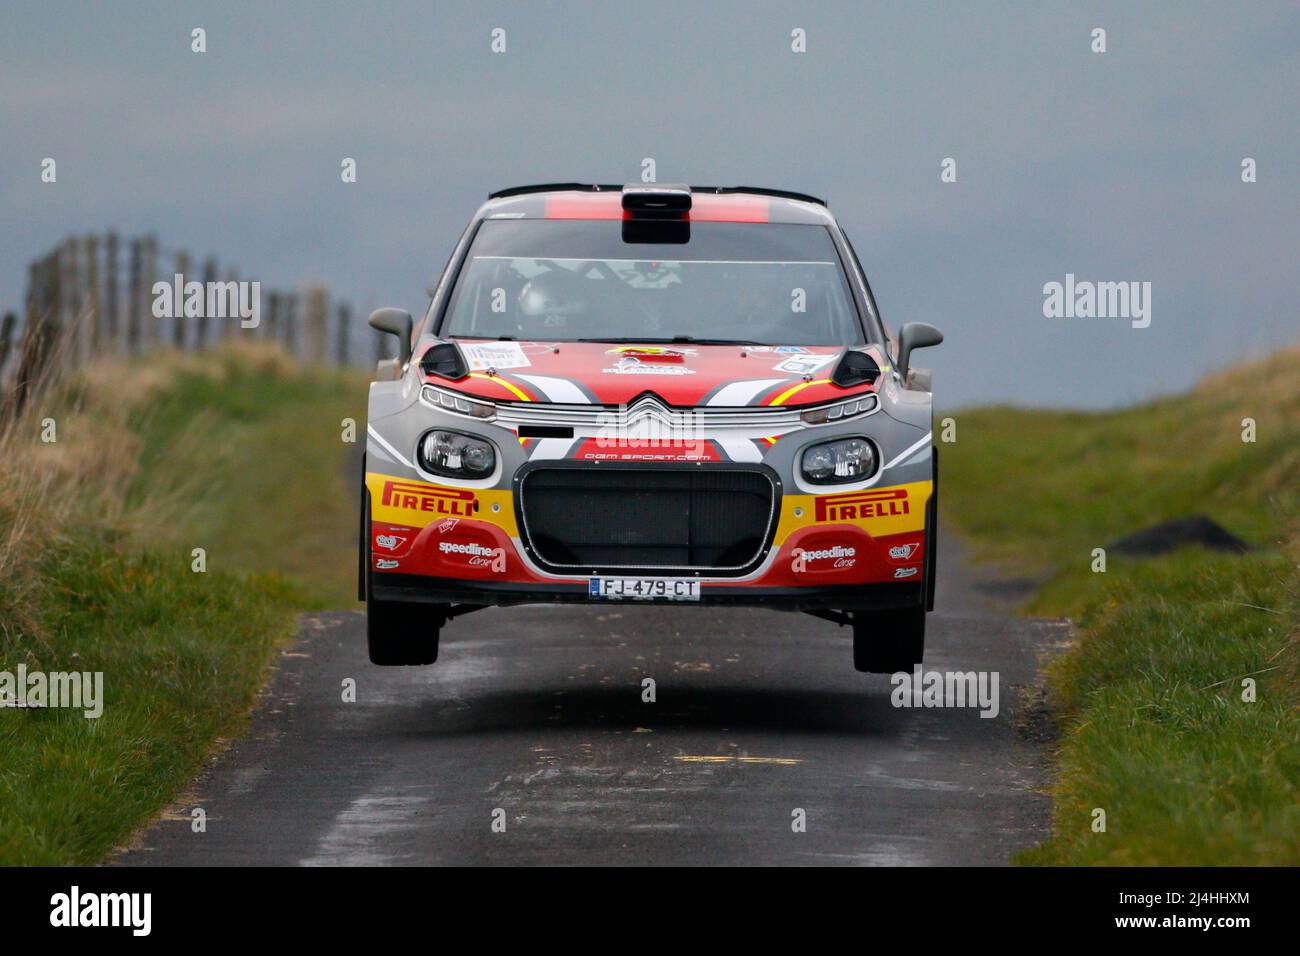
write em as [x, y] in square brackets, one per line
[262, 478]
[239, 454]
[1154, 728]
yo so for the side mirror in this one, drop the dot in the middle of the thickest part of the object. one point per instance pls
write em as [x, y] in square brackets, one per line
[396, 322]
[914, 335]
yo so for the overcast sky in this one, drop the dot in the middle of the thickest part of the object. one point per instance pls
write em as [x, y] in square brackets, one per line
[1120, 166]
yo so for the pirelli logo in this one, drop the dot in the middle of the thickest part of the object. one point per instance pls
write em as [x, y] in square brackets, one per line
[884, 503]
[429, 498]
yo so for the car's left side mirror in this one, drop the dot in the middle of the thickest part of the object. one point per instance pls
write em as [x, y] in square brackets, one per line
[396, 322]
[914, 335]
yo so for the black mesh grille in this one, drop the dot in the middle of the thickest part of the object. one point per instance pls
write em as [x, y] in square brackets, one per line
[651, 520]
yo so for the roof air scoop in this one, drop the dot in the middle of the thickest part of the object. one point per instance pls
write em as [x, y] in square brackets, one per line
[654, 201]
[656, 214]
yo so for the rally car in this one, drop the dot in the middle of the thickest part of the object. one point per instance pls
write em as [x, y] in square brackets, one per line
[650, 394]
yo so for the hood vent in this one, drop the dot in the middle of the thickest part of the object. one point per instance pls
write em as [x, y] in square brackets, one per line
[855, 368]
[445, 361]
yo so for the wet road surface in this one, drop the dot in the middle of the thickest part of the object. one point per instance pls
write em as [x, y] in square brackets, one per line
[534, 718]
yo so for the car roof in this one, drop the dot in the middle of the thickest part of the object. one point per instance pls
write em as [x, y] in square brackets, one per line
[708, 204]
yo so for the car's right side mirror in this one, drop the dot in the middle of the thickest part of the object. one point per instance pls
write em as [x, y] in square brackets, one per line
[395, 322]
[914, 335]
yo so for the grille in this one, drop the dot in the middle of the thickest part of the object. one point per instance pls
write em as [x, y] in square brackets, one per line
[655, 521]
[612, 416]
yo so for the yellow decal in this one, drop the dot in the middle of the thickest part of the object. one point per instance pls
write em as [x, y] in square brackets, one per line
[780, 399]
[523, 396]
[895, 509]
[418, 503]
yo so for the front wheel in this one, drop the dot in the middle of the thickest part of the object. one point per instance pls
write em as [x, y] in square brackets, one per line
[885, 642]
[398, 633]
[402, 633]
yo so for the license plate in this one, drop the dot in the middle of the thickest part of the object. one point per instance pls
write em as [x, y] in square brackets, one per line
[644, 589]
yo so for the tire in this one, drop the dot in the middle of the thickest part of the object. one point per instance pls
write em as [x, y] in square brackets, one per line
[398, 633]
[932, 536]
[885, 642]
[363, 535]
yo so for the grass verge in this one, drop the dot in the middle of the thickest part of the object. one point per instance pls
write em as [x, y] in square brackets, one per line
[238, 453]
[1158, 726]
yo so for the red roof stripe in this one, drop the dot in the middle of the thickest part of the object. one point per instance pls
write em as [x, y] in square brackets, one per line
[583, 206]
[705, 207]
[734, 208]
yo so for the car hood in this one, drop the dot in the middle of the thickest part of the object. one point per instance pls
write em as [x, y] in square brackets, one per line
[681, 375]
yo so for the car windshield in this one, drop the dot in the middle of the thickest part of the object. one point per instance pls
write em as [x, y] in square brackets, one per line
[553, 280]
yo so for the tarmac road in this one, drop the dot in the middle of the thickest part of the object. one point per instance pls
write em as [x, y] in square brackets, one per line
[537, 713]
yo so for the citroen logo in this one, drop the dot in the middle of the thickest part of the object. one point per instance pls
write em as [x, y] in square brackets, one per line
[650, 406]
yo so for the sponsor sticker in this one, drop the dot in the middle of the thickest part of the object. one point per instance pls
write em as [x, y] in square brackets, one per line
[906, 572]
[389, 542]
[802, 364]
[840, 556]
[651, 353]
[414, 496]
[481, 355]
[901, 552]
[882, 503]
[385, 564]
[477, 555]
[633, 365]
[646, 456]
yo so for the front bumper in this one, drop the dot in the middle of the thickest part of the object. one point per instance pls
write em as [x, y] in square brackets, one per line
[859, 550]
[842, 597]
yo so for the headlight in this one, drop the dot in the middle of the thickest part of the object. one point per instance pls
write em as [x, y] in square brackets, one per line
[831, 413]
[851, 459]
[455, 402]
[456, 455]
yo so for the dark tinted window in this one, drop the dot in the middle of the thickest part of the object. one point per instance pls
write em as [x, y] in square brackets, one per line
[769, 283]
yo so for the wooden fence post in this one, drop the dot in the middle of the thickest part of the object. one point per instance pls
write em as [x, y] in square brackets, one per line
[315, 308]
[38, 290]
[135, 298]
[94, 303]
[6, 344]
[343, 332]
[291, 335]
[34, 360]
[111, 292]
[49, 288]
[56, 351]
[150, 330]
[78, 307]
[179, 319]
[232, 327]
[209, 279]
[271, 327]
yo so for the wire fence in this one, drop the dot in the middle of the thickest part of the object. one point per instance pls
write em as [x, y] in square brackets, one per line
[101, 295]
